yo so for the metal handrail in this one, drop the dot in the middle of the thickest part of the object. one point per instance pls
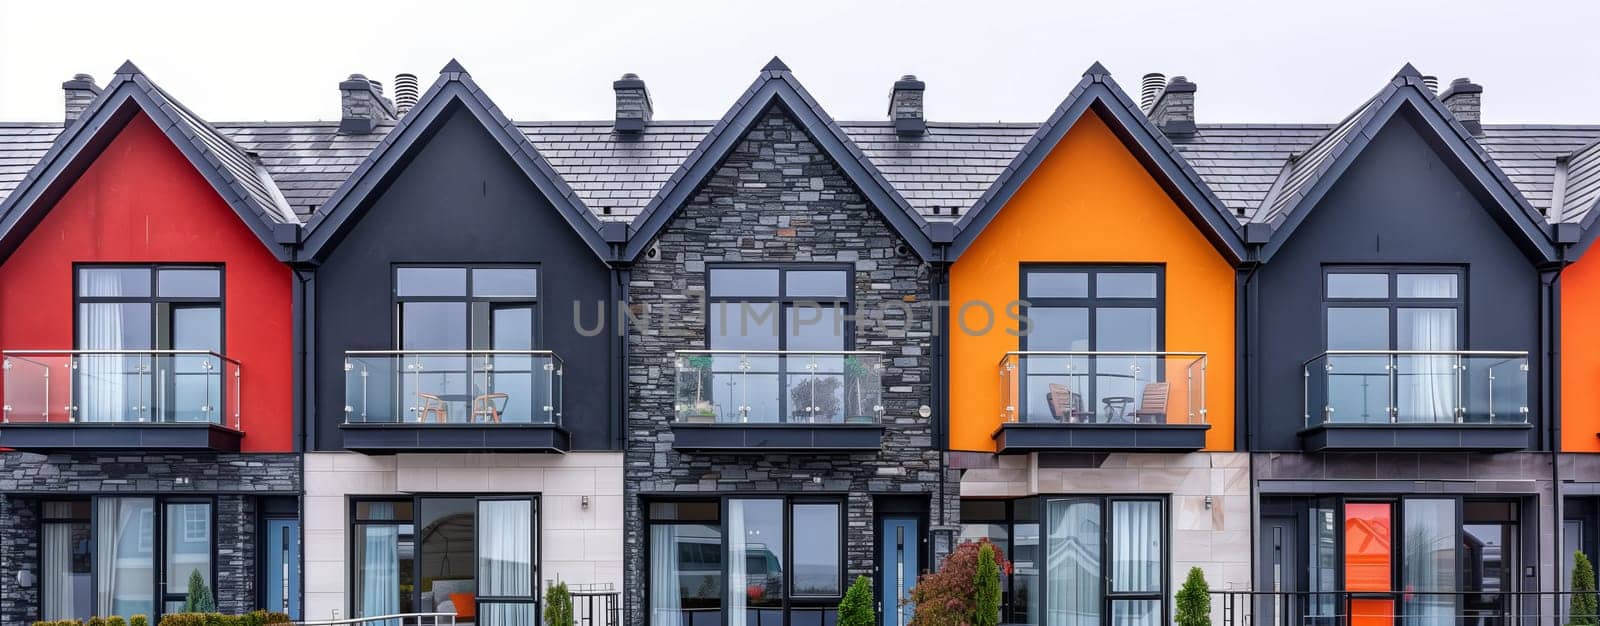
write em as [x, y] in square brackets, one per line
[448, 352]
[219, 355]
[1504, 353]
[436, 620]
[785, 352]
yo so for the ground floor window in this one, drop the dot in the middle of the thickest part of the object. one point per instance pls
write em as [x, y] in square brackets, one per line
[1103, 559]
[123, 555]
[473, 556]
[1426, 560]
[746, 561]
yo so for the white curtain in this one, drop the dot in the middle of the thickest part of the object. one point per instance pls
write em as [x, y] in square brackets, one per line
[666, 607]
[102, 381]
[123, 554]
[1072, 584]
[57, 567]
[505, 548]
[735, 599]
[1428, 385]
[378, 553]
[1136, 546]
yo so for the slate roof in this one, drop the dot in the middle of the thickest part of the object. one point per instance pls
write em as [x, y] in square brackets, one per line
[941, 175]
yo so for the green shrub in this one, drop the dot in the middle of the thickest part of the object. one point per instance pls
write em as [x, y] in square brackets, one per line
[986, 588]
[1584, 601]
[116, 620]
[557, 605]
[139, 620]
[60, 622]
[1194, 600]
[97, 621]
[949, 596]
[199, 599]
[856, 608]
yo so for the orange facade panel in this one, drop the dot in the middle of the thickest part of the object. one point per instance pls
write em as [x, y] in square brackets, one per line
[1580, 355]
[1089, 202]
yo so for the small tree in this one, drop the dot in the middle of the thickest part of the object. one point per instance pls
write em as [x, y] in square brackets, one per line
[1194, 600]
[557, 606]
[199, 598]
[949, 596]
[856, 607]
[986, 588]
[1584, 600]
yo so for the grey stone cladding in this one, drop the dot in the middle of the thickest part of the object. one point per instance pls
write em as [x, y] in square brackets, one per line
[233, 480]
[779, 198]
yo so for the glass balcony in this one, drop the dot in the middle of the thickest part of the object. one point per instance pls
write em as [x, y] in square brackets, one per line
[428, 388]
[1103, 388]
[129, 387]
[1471, 388]
[779, 387]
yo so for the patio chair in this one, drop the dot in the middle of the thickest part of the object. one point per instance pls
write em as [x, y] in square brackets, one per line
[1065, 405]
[489, 406]
[433, 405]
[1153, 404]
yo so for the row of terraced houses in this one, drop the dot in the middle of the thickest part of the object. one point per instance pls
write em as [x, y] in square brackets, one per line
[428, 359]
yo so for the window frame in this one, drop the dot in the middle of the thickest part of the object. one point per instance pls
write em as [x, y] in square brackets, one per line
[1091, 302]
[352, 520]
[534, 302]
[88, 522]
[158, 557]
[154, 269]
[1393, 303]
[791, 601]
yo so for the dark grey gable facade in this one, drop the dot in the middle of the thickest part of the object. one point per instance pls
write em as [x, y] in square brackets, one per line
[1396, 235]
[778, 197]
[451, 187]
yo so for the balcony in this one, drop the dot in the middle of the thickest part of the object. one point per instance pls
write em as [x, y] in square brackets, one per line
[121, 400]
[470, 400]
[1102, 401]
[757, 402]
[1417, 401]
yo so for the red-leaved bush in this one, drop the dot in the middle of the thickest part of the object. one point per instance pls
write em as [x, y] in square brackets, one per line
[949, 596]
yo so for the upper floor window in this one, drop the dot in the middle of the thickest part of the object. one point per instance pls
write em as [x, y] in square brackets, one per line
[461, 308]
[1409, 309]
[1083, 310]
[129, 318]
[797, 307]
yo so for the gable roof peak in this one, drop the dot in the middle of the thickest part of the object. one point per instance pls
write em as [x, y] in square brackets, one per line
[1097, 70]
[453, 67]
[775, 65]
[128, 69]
[1408, 71]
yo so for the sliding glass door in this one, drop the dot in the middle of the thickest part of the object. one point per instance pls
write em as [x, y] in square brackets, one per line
[66, 561]
[186, 551]
[125, 556]
[507, 583]
[1085, 588]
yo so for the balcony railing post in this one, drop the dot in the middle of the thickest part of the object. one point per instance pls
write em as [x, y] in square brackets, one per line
[1393, 380]
[1491, 394]
[238, 396]
[72, 386]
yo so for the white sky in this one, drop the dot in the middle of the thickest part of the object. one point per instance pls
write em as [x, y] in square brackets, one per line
[983, 60]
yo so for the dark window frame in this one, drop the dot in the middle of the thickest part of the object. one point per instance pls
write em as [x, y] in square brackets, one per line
[352, 520]
[158, 557]
[534, 302]
[791, 602]
[39, 548]
[1394, 303]
[1092, 302]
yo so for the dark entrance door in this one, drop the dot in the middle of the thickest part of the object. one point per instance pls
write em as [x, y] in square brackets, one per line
[1277, 557]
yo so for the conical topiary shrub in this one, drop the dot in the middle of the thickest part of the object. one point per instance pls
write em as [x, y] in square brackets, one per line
[856, 608]
[1194, 600]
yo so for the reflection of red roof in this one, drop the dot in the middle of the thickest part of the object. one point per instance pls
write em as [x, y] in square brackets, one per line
[1360, 535]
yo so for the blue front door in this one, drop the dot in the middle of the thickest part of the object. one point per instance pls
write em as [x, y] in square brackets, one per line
[282, 547]
[900, 542]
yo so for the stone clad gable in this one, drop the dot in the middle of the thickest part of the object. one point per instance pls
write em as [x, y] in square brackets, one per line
[778, 197]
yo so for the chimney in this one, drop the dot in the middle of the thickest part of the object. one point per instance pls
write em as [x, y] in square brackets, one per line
[405, 93]
[1150, 88]
[1464, 98]
[905, 107]
[1432, 83]
[362, 106]
[80, 91]
[634, 109]
[1173, 110]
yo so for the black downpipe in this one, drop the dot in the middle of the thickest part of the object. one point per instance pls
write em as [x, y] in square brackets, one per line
[621, 299]
[939, 275]
[1246, 305]
[1550, 302]
[305, 403]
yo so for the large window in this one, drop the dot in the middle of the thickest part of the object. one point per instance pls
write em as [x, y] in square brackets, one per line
[123, 555]
[474, 557]
[1079, 309]
[441, 312]
[1103, 560]
[755, 561]
[758, 310]
[126, 311]
[1416, 310]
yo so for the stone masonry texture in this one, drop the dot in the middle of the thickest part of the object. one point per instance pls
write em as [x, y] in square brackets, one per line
[233, 480]
[778, 198]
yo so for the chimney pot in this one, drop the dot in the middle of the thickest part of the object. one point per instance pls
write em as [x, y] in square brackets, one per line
[1173, 109]
[905, 106]
[405, 93]
[362, 105]
[634, 108]
[1150, 88]
[80, 92]
[1464, 99]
